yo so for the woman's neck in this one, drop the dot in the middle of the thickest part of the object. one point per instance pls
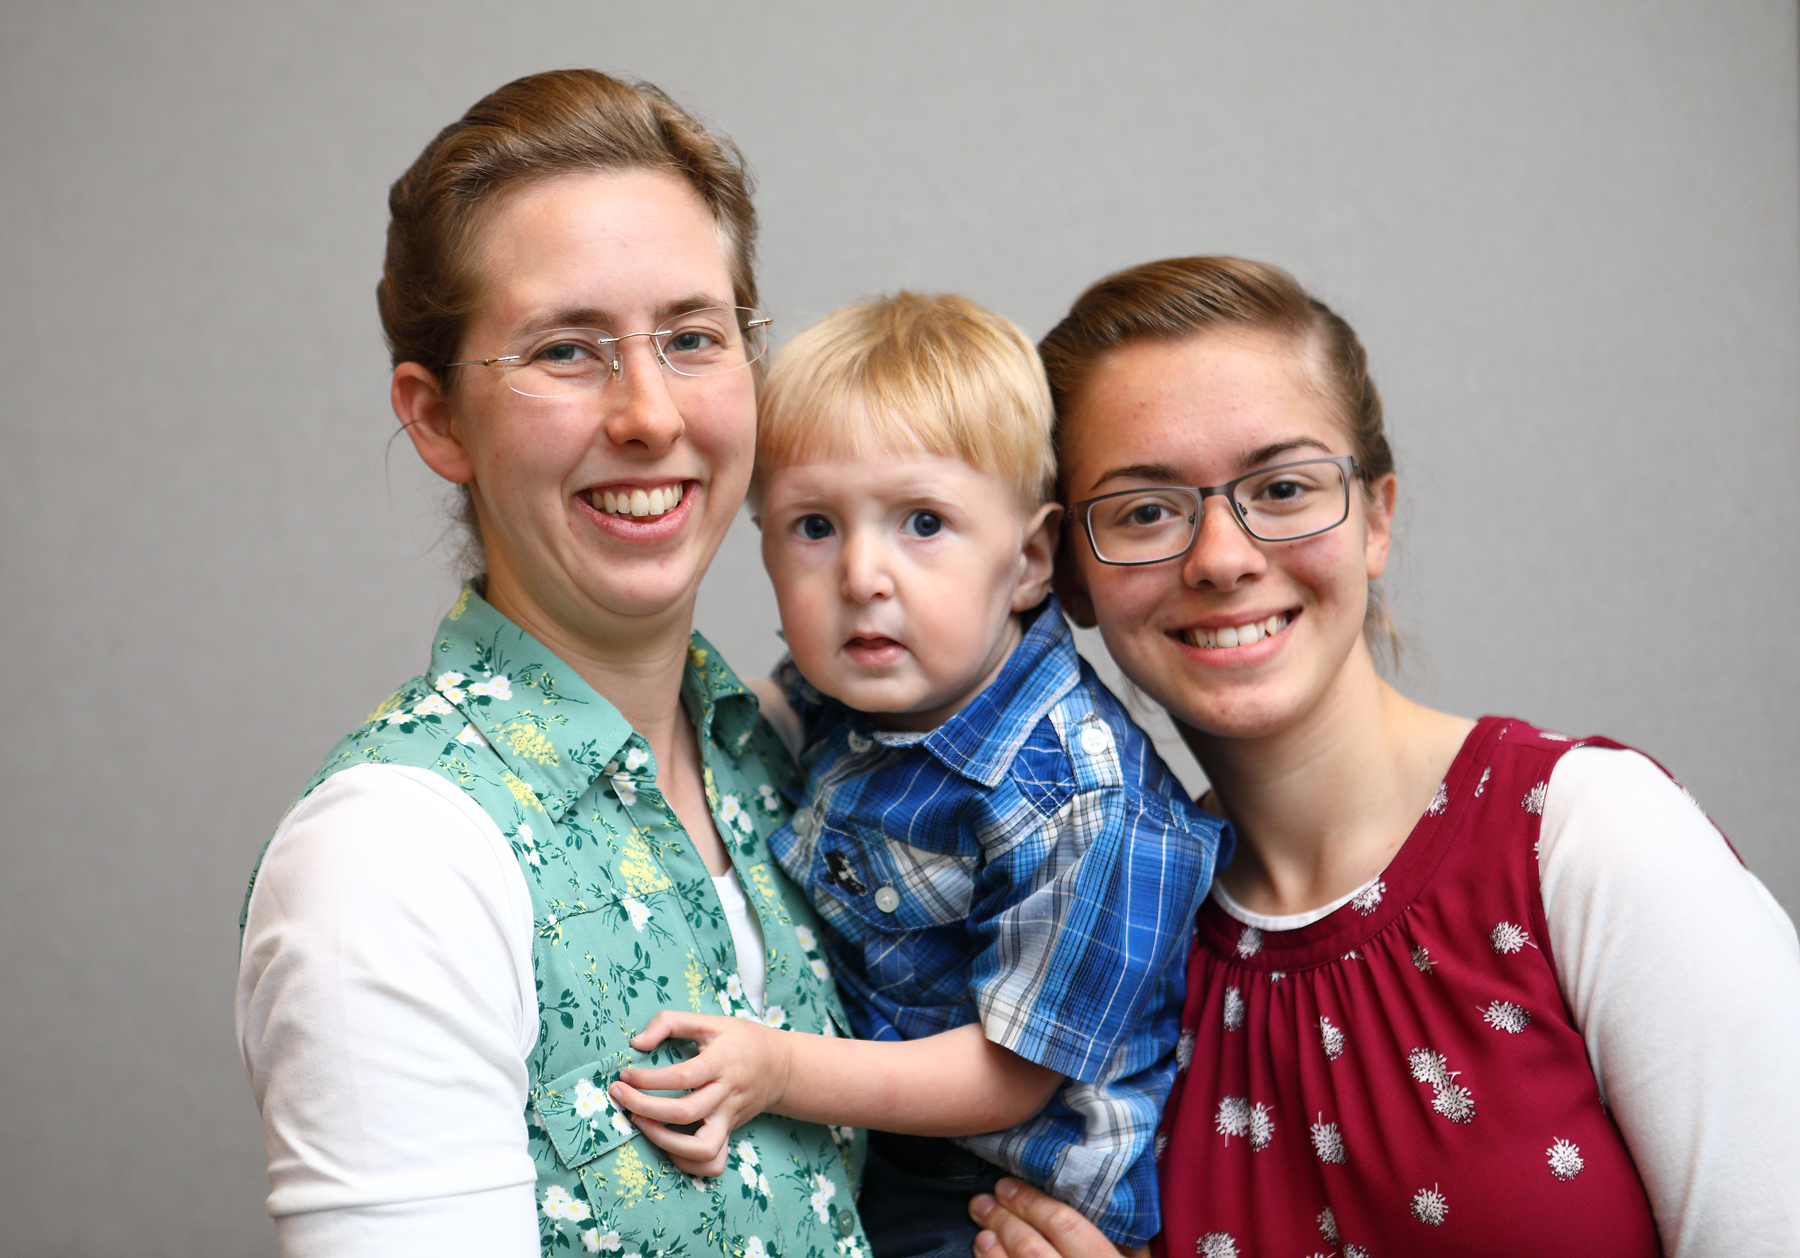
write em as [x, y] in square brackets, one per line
[636, 667]
[639, 672]
[1322, 806]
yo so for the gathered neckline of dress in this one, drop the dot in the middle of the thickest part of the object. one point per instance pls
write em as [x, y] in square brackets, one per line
[1284, 921]
[1369, 910]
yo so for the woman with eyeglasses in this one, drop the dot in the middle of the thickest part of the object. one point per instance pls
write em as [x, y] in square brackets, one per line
[560, 826]
[1467, 987]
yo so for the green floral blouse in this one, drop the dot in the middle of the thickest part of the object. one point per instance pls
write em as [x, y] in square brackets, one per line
[627, 922]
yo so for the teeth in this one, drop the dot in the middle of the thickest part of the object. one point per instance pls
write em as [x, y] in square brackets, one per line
[1235, 635]
[638, 503]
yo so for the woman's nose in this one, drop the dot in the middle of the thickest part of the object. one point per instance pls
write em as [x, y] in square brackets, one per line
[643, 409]
[866, 575]
[1222, 553]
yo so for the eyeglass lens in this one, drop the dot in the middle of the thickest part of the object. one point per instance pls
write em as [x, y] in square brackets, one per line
[1279, 504]
[704, 342]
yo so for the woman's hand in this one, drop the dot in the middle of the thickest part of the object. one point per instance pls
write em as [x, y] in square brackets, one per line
[1026, 1223]
[741, 1070]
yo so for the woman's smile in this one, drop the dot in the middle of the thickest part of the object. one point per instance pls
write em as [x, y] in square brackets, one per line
[635, 501]
[1237, 633]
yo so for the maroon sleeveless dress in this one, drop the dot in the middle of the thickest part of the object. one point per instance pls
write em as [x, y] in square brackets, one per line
[1403, 1076]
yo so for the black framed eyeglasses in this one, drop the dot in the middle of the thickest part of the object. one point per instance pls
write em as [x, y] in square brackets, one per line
[1283, 503]
[556, 362]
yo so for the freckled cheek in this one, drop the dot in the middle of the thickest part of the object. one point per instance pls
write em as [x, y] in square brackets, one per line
[1330, 572]
[1124, 602]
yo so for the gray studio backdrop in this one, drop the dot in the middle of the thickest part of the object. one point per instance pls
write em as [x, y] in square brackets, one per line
[1568, 231]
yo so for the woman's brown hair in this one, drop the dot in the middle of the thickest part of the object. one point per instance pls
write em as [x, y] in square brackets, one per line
[1178, 298]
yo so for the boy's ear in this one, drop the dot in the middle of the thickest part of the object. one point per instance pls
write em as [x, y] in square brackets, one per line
[1069, 588]
[1042, 531]
[424, 413]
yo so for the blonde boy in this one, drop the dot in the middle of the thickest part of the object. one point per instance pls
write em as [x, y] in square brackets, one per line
[1006, 872]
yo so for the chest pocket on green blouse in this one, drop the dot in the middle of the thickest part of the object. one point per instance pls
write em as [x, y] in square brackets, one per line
[579, 1116]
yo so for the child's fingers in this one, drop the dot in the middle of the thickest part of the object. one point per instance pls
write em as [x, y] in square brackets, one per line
[691, 1107]
[702, 1153]
[676, 1024]
[702, 1068]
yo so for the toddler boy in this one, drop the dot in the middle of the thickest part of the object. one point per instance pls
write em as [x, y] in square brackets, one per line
[1007, 873]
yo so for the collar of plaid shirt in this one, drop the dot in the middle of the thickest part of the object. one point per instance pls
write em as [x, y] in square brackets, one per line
[982, 740]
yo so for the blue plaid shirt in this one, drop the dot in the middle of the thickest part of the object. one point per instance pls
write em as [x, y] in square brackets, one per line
[1030, 864]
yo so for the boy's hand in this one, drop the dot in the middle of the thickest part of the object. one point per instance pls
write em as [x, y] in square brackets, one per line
[741, 1070]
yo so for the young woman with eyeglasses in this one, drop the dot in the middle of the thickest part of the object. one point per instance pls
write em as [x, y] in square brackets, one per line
[560, 826]
[1466, 987]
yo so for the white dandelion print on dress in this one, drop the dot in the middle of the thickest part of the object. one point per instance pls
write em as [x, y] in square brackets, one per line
[1328, 1226]
[1355, 1251]
[1565, 1160]
[1328, 1142]
[1507, 938]
[1238, 1117]
[1533, 802]
[1456, 1103]
[1439, 801]
[1429, 1206]
[1332, 1037]
[1233, 1118]
[1184, 1050]
[1262, 1127]
[1482, 785]
[1368, 899]
[1421, 959]
[1428, 1066]
[1234, 1008]
[1250, 942]
[1216, 1245]
[1451, 1099]
[1503, 1015]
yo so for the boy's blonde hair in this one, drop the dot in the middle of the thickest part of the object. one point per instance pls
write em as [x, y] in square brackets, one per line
[911, 372]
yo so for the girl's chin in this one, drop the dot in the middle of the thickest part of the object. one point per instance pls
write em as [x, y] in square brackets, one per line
[1225, 708]
[1241, 726]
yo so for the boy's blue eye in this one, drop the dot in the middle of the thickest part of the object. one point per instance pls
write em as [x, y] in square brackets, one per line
[814, 528]
[924, 523]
